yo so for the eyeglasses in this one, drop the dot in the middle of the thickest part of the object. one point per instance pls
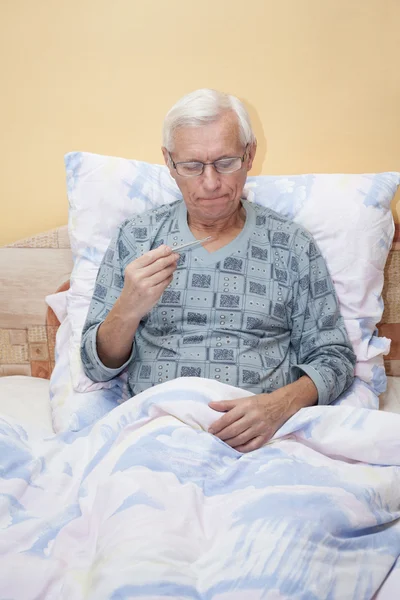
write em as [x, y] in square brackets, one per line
[224, 166]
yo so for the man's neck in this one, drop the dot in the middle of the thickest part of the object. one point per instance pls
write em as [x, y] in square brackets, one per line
[229, 226]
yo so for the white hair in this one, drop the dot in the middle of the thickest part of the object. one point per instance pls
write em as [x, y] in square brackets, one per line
[205, 106]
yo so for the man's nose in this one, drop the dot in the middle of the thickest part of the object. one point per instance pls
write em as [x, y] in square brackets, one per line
[211, 178]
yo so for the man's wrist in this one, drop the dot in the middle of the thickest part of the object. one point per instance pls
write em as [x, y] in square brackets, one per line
[302, 393]
[115, 337]
[125, 314]
[295, 396]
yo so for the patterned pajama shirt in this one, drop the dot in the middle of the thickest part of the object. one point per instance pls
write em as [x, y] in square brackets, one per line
[256, 314]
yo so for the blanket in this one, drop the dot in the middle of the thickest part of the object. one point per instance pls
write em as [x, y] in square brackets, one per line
[147, 504]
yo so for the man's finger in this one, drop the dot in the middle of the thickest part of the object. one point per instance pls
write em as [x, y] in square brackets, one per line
[160, 287]
[237, 434]
[230, 417]
[223, 406]
[160, 276]
[157, 266]
[253, 444]
[149, 257]
[237, 427]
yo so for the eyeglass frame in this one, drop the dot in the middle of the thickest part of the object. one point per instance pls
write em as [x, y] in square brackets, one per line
[186, 162]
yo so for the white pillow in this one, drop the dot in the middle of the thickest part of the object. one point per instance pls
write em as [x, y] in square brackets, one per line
[73, 410]
[348, 215]
[350, 218]
[58, 304]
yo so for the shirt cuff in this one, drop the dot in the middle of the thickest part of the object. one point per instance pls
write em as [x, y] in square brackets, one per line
[323, 393]
[107, 372]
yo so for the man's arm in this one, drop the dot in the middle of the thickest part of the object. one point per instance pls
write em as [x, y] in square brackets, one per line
[323, 370]
[319, 335]
[121, 298]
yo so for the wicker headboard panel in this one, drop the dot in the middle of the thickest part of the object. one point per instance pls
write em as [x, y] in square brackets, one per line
[30, 270]
[390, 324]
[35, 267]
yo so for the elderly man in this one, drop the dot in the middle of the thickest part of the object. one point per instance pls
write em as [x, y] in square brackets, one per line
[253, 306]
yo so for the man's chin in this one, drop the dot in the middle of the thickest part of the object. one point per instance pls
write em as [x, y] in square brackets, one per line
[221, 204]
[213, 209]
[211, 201]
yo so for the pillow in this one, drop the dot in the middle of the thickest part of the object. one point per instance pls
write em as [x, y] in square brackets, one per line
[72, 410]
[348, 215]
[58, 304]
[350, 218]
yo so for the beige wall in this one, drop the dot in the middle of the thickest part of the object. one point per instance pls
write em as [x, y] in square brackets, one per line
[321, 78]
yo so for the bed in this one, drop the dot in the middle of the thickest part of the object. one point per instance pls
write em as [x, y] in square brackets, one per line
[141, 501]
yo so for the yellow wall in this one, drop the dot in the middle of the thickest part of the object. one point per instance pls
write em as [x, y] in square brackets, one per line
[321, 79]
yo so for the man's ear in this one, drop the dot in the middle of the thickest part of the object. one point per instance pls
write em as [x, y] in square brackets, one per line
[165, 155]
[252, 153]
[167, 161]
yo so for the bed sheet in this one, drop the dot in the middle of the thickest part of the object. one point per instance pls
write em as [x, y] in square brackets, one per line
[147, 504]
[26, 399]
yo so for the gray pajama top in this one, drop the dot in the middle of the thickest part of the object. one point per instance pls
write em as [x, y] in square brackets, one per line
[256, 314]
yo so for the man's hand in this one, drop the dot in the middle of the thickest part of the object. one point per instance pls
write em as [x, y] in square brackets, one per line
[146, 278]
[248, 423]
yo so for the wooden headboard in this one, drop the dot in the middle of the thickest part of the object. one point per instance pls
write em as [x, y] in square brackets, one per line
[35, 267]
[30, 270]
[390, 325]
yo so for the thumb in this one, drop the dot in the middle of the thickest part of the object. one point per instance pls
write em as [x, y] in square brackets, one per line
[222, 405]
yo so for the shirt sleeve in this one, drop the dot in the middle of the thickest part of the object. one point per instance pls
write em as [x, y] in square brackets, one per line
[319, 336]
[108, 287]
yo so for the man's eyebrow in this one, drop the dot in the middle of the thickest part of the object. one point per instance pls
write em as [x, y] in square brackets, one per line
[202, 161]
[189, 160]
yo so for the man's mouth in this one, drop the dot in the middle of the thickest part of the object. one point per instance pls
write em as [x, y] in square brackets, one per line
[215, 198]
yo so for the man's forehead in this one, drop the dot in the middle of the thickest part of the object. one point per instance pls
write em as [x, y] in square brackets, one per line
[219, 137]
